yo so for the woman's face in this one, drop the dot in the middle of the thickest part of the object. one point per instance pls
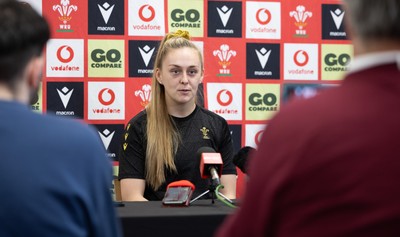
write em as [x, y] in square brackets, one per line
[181, 73]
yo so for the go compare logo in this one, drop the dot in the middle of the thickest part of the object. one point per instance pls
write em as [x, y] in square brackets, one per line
[262, 101]
[190, 18]
[186, 15]
[335, 60]
[106, 58]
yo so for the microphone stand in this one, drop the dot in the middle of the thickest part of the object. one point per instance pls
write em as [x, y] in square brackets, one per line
[212, 189]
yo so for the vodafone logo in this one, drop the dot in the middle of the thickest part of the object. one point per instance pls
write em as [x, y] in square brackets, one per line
[224, 97]
[257, 137]
[263, 16]
[61, 59]
[263, 20]
[106, 96]
[301, 58]
[301, 61]
[65, 54]
[146, 13]
[106, 100]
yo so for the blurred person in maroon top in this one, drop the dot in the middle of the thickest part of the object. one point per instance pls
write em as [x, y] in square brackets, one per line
[329, 165]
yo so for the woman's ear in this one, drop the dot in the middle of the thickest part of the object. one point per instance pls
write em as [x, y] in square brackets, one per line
[158, 75]
[202, 75]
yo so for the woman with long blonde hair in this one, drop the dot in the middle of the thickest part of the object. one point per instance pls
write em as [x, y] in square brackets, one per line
[160, 143]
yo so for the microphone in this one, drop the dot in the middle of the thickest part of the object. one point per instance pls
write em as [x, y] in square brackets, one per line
[241, 158]
[210, 164]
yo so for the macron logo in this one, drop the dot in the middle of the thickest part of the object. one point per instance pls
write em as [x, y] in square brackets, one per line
[263, 56]
[65, 95]
[337, 17]
[146, 53]
[106, 137]
[224, 13]
[106, 10]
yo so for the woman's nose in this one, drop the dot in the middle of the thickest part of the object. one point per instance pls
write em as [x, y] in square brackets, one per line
[184, 79]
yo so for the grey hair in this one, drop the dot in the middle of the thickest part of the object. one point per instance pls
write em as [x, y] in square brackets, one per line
[373, 19]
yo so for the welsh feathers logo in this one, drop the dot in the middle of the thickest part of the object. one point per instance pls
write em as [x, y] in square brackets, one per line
[300, 16]
[224, 54]
[65, 9]
[144, 94]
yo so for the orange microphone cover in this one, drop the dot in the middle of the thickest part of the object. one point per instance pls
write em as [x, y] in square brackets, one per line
[182, 183]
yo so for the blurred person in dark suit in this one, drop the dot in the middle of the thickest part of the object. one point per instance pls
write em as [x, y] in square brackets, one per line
[54, 176]
[329, 165]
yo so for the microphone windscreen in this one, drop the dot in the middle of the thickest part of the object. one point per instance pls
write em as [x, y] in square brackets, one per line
[204, 149]
[240, 159]
[182, 183]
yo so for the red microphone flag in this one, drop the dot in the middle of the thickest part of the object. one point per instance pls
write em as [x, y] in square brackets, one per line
[210, 159]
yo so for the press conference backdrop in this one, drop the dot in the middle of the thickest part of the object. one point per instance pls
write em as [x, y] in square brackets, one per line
[258, 55]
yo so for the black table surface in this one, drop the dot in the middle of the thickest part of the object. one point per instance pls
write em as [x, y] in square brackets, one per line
[201, 218]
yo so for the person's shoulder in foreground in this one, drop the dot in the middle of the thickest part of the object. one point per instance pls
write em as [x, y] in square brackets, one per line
[54, 173]
[53, 167]
[325, 166]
